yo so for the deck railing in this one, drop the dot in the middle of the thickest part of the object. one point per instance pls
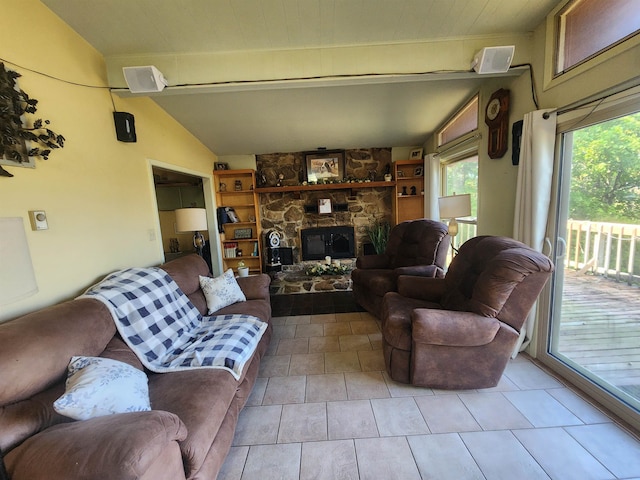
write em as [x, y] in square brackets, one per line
[607, 249]
[601, 248]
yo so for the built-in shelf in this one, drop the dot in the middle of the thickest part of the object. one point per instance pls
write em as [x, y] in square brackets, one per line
[325, 186]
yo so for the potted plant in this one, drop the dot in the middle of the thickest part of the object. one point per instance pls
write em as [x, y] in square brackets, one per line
[243, 270]
[379, 235]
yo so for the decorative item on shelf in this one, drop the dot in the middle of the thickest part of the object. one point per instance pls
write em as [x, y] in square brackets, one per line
[415, 154]
[192, 220]
[243, 270]
[221, 166]
[400, 173]
[452, 207]
[242, 233]
[255, 249]
[387, 177]
[324, 206]
[280, 179]
[251, 218]
[18, 129]
[418, 172]
[404, 191]
[237, 185]
[238, 252]
[413, 190]
[223, 187]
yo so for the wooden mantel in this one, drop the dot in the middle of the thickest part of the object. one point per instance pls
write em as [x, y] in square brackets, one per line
[325, 186]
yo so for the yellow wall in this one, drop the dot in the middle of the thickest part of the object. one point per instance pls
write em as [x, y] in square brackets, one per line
[97, 192]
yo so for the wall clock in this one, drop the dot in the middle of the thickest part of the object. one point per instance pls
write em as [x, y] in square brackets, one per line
[497, 118]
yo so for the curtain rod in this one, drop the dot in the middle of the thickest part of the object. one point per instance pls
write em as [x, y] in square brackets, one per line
[461, 142]
[584, 103]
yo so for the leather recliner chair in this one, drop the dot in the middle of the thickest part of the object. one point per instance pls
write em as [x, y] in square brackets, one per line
[458, 332]
[415, 247]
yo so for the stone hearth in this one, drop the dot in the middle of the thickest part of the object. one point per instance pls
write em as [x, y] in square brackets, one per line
[293, 279]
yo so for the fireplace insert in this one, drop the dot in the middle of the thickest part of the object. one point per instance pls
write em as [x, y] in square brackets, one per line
[336, 242]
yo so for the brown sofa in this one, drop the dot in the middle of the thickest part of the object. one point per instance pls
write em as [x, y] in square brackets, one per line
[415, 247]
[458, 332]
[189, 430]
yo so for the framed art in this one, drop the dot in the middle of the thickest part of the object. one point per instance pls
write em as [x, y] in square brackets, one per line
[221, 166]
[415, 154]
[241, 233]
[418, 172]
[324, 205]
[324, 165]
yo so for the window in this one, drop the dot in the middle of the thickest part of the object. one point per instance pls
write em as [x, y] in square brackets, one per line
[462, 177]
[586, 28]
[463, 122]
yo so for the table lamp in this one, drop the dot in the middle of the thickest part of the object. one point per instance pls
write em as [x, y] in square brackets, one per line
[192, 220]
[452, 207]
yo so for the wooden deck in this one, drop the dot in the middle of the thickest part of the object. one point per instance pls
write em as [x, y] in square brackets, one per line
[600, 328]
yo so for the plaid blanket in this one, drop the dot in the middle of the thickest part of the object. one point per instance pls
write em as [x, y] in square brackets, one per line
[166, 331]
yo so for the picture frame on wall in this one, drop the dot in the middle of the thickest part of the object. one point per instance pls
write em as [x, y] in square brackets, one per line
[324, 166]
[416, 154]
[324, 206]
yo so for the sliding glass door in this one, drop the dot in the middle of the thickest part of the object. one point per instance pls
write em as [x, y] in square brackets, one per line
[593, 332]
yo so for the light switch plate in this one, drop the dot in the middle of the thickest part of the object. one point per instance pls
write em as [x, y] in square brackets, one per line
[38, 220]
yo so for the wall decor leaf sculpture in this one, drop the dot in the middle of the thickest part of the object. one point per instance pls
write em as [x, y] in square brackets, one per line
[21, 138]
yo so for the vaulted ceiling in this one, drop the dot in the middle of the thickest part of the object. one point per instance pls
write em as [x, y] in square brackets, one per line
[261, 76]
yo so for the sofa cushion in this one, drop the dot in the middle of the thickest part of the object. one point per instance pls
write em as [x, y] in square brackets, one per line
[221, 291]
[101, 386]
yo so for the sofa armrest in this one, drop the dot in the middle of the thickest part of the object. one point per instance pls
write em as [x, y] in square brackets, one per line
[114, 447]
[454, 329]
[368, 262]
[255, 286]
[421, 288]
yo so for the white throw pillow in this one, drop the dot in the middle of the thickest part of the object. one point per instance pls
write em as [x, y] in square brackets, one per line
[101, 386]
[221, 291]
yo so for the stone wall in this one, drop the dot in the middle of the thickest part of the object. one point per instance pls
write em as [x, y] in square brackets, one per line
[285, 211]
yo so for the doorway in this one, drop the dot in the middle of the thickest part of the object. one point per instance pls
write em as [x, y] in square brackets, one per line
[175, 190]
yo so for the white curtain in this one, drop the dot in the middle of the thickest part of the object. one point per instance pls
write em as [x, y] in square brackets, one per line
[533, 194]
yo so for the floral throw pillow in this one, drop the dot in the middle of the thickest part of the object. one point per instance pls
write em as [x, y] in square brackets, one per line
[99, 386]
[221, 291]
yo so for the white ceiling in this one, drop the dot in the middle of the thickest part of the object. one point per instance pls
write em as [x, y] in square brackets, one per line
[285, 116]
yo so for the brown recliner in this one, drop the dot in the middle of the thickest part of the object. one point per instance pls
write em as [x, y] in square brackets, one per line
[415, 247]
[458, 332]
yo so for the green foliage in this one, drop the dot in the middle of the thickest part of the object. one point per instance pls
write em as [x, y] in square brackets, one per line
[462, 177]
[320, 269]
[379, 235]
[605, 180]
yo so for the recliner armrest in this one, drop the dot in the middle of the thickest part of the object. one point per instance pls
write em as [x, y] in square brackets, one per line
[255, 286]
[430, 271]
[450, 328]
[421, 288]
[368, 262]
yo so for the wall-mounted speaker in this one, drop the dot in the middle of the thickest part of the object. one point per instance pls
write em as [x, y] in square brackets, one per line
[146, 79]
[493, 59]
[125, 126]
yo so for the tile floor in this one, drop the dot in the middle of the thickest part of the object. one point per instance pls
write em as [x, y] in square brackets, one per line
[323, 408]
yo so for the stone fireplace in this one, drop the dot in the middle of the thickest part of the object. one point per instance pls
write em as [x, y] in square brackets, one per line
[293, 212]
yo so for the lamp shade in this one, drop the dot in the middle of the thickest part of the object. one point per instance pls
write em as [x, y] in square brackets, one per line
[191, 219]
[455, 206]
[17, 280]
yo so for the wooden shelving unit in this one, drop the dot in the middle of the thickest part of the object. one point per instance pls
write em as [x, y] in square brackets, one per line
[405, 205]
[325, 186]
[237, 189]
